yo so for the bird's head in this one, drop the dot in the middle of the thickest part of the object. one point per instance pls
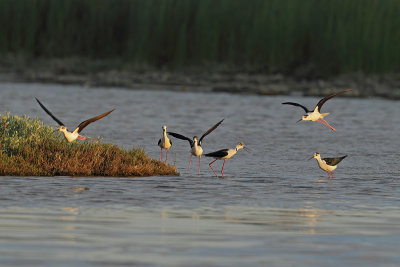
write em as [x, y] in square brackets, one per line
[195, 139]
[240, 145]
[164, 128]
[315, 156]
[61, 129]
[304, 118]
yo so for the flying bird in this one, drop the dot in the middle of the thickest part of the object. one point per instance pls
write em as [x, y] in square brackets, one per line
[223, 154]
[316, 114]
[195, 144]
[165, 143]
[327, 164]
[72, 136]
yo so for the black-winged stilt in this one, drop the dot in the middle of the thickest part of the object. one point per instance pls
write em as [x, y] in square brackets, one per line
[195, 144]
[223, 154]
[72, 136]
[165, 143]
[327, 164]
[316, 115]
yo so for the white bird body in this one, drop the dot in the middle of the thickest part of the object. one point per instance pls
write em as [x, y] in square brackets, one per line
[327, 164]
[314, 116]
[70, 136]
[164, 143]
[196, 150]
[322, 164]
[224, 154]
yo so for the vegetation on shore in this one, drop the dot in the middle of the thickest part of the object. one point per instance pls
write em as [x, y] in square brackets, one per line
[311, 36]
[29, 148]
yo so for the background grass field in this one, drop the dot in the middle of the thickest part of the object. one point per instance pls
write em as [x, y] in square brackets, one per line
[317, 36]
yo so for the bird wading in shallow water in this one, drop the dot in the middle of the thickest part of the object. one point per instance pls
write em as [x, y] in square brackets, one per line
[165, 143]
[195, 144]
[223, 154]
[316, 114]
[72, 136]
[327, 164]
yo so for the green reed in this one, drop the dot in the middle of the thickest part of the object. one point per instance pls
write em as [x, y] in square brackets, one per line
[328, 36]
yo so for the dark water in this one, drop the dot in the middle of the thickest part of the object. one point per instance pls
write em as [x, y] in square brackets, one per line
[274, 207]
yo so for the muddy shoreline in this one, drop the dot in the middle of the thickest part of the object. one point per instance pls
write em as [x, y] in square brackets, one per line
[385, 86]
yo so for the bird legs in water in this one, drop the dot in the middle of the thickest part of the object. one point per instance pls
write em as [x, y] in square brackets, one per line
[222, 170]
[190, 162]
[330, 174]
[326, 123]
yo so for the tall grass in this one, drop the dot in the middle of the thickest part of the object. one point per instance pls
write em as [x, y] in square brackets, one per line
[330, 36]
[28, 147]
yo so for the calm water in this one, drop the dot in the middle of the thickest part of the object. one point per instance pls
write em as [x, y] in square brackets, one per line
[274, 207]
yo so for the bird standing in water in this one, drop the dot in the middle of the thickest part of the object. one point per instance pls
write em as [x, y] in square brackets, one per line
[327, 164]
[223, 154]
[195, 144]
[165, 143]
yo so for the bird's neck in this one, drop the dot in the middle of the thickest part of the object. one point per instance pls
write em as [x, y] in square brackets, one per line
[165, 134]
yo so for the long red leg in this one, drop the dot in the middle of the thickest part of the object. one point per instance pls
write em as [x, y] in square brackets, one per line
[166, 157]
[212, 168]
[161, 155]
[327, 124]
[329, 174]
[199, 164]
[190, 161]
[222, 170]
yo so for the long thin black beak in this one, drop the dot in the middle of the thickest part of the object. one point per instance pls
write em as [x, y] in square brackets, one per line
[311, 158]
[299, 120]
[247, 149]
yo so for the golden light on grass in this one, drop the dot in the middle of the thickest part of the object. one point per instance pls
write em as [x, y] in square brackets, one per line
[29, 148]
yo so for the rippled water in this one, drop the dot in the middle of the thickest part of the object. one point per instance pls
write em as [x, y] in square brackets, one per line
[274, 207]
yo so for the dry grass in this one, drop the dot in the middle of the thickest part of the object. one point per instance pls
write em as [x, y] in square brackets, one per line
[29, 148]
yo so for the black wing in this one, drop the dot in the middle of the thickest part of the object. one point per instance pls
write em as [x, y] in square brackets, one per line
[326, 98]
[218, 154]
[333, 161]
[159, 142]
[87, 122]
[179, 136]
[210, 130]
[48, 112]
[297, 105]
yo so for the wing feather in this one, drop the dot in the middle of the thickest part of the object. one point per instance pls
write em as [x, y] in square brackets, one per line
[179, 136]
[49, 113]
[217, 154]
[297, 105]
[210, 130]
[326, 98]
[87, 122]
[333, 161]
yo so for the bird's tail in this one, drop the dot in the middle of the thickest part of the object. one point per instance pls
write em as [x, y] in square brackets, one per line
[324, 114]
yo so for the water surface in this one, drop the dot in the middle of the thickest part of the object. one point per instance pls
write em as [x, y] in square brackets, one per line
[273, 208]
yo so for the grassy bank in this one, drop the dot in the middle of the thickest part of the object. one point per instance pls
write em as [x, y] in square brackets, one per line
[29, 148]
[309, 36]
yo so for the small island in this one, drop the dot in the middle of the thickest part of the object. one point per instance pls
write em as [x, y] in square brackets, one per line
[29, 148]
